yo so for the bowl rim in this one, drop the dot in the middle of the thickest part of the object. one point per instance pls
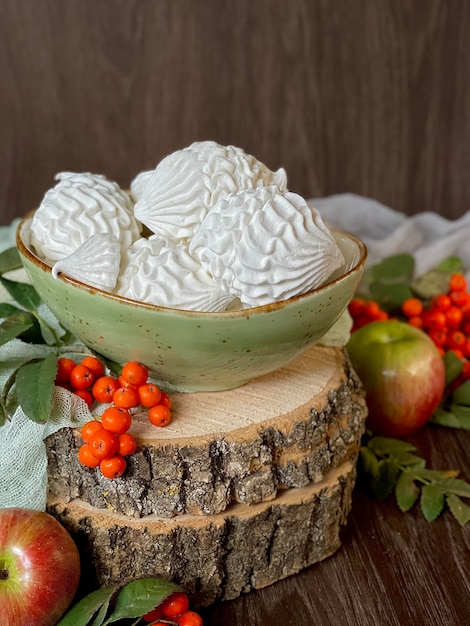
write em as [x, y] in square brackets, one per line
[26, 252]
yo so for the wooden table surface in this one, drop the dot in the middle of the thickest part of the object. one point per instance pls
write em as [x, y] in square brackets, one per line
[393, 569]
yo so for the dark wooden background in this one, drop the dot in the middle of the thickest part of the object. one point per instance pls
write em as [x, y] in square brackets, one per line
[366, 96]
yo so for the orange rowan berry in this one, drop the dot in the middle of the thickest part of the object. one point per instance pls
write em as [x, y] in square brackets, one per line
[116, 419]
[64, 367]
[159, 415]
[190, 618]
[453, 317]
[175, 604]
[412, 307]
[149, 395]
[94, 365]
[135, 373]
[416, 321]
[113, 467]
[81, 377]
[466, 371]
[103, 444]
[85, 395]
[456, 340]
[459, 298]
[434, 319]
[439, 337]
[86, 457]
[104, 388]
[372, 309]
[457, 282]
[127, 444]
[442, 302]
[126, 397]
[165, 399]
[356, 307]
[89, 429]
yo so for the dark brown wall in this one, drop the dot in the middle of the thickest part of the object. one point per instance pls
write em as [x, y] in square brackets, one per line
[367, 96]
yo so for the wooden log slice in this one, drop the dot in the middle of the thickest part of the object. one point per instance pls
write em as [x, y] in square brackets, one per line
[280, 431]
[216, 557]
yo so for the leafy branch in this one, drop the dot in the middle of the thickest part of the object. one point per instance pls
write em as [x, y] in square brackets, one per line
[31, 382]
[388, 466]
[108, 605]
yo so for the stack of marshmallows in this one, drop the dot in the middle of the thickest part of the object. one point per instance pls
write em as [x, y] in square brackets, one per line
[211, 228]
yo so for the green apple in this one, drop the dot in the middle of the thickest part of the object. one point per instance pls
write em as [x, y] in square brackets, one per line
[403, 375]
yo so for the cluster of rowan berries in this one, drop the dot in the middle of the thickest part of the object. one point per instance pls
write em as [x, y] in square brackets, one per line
[106, 439]
[445, 317]
[173, 611]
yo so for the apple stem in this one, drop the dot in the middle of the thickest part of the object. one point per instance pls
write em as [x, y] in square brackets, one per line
[4, 574]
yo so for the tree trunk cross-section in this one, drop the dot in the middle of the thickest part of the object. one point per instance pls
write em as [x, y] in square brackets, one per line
[281, 431]
[221, 556]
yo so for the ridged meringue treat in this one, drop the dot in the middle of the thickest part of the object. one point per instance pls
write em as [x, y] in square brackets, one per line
[206, 242]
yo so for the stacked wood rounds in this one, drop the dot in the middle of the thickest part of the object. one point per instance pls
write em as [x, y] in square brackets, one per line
[245, 486]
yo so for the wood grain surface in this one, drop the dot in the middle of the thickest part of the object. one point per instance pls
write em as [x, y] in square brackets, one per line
[393, 569]
[364, 96]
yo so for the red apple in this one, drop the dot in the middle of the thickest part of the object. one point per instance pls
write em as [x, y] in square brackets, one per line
[403, 375]
[39, 568]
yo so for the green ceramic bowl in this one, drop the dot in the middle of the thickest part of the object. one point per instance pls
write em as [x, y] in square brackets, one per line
[190, 350]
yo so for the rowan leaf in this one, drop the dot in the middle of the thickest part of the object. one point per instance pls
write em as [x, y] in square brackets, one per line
[384, 446]
[453, 366]
[141, 596]
[459, 509]
[7, 309]
[82, 612]
[34, 385]
[397, 268]
[24, 293]
[462, 394]
[442, 417]
[454, 486]
[432, 501]
[10, 260]
[15, 325]
[384, 483]
[406, 491]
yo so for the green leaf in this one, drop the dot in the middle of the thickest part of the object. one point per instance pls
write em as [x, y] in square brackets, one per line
[459, 509]
[10, 260]
[34, 385]
[462, 394]
[384, 446]
[442, 417]
[431, 284]
[390, 297]
[450, 265]
[384, 483]
[398, 268]
[24, 294]
[453, 366]
[7, 309]
[408, 459]
[141, 596]
[7, 385]
[432, 502]
[462, 413]
[369, 462]
[15, 325]
[406, 491]
[82, 612]
[455, 486]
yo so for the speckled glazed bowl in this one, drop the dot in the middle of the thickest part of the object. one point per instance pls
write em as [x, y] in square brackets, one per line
[189, 350]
